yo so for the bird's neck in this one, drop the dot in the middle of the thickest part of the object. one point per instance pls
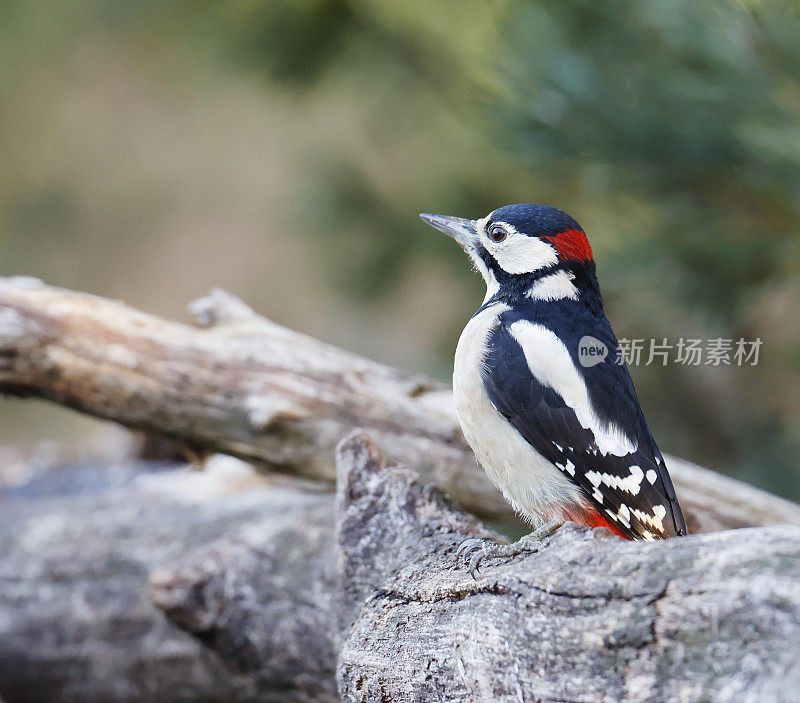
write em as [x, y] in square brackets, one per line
[575, 281]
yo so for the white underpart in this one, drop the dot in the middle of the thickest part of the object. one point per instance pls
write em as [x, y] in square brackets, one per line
[518, 253]
[556, 286]
[532, 485]
[551, 365]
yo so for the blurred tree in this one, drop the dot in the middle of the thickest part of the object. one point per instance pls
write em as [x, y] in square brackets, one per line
[669, 128]
[681, 121]
[672, 129]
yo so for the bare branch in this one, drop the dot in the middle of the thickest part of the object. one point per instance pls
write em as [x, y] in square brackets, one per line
[244, 386]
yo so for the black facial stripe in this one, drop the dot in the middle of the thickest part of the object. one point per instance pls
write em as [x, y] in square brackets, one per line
[514, 281]
[500, 274]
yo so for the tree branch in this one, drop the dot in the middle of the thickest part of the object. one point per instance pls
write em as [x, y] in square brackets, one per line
[241, 385]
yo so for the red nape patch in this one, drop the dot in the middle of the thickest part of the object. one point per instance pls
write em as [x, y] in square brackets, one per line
[572, 244]
[591, 517]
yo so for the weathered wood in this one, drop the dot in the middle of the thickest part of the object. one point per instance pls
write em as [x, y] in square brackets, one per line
[263, 601]
[588, 618]
[239, 385]
[270, 592]
[244, 386]
[77, 623]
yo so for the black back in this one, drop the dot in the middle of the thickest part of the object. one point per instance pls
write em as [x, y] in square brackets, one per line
[547, 422]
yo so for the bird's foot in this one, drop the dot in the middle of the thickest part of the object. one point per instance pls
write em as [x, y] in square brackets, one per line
[474, 550]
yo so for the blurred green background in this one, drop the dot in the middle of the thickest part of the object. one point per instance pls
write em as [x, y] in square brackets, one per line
[282, 150]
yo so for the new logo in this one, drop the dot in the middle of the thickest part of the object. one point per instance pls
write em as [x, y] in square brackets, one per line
[591, 351]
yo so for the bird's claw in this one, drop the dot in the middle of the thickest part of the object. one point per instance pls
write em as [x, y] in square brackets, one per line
[475, 562]
[474, 550]
[469, 545]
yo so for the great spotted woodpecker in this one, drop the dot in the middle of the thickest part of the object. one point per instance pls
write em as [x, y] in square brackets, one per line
[562, 436]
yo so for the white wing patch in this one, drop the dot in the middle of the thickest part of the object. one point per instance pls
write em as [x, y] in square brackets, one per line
[569, 467]
[556, 286]
[623, 516]
[656, 520]
[630, 484]
[551, 365]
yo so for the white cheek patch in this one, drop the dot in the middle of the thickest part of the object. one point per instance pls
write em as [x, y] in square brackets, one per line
[518, 253]
[480, 225]
[551, 365]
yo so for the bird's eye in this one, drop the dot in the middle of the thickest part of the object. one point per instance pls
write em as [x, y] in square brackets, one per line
[497, 233]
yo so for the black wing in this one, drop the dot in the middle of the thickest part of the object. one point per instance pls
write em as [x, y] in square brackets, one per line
[547, 422]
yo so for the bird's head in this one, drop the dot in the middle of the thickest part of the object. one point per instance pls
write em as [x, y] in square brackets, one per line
[526, 249]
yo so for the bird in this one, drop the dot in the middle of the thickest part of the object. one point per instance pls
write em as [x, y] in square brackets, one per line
[542, 392]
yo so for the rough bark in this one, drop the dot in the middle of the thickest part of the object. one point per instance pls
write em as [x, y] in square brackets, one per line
[263, 601]
[241, 385]
[77, 623]
[588, 618]
[270, 592]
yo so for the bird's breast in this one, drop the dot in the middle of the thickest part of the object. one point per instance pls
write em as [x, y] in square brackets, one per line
[532, 484]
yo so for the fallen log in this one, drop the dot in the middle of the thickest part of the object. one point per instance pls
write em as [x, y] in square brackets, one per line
[263, 601]
[589, 617]
[270, 592]
[79, 546]
[241, 385]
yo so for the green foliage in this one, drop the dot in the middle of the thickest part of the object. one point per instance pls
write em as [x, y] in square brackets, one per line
[669, 128]
[691, 107]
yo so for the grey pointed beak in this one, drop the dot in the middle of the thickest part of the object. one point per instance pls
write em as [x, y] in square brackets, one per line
[463, 231]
